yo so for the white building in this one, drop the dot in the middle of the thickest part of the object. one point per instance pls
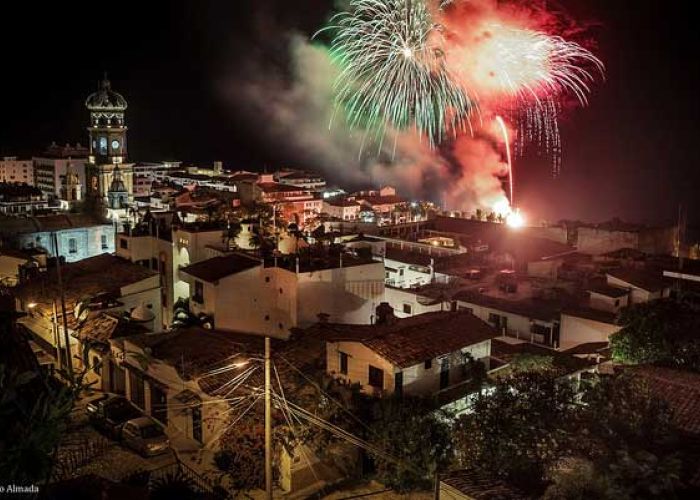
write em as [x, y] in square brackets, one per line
[92, 287]
[160, 248]
[342, 209]
[51, 168]
[423, 355]
[243, 294]
[79, 236]
[643, 285]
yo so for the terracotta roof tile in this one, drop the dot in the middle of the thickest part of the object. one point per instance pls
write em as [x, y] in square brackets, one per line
[412, 340]
[681, 391]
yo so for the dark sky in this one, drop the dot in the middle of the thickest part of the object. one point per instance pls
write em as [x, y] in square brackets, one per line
[631, 154]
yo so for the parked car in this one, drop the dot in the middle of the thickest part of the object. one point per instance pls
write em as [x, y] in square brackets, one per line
[109, 412]
[145, 436]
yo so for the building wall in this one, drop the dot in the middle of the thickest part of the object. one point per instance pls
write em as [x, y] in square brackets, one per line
[638, 295]
[9, 269]
[167, 377]
[421, 381]
[88, 241]
[517, 325]
[271, 301]
[13, 170]
[553, 233]
[407, 303]
[406, 275]
[49, 172]
[359, 360]
[348, 295]
[599, 241]
[575, 330]
[145, 292]
[609, 304]
[417, 379]
[546, 269]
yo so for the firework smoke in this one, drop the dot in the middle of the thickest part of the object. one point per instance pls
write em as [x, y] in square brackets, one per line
[301, 113]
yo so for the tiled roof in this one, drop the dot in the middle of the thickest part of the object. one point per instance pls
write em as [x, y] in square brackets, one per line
[48, 223]
[87, 278]
[193, 351]
[216, 268]
[478, 486]
[101, 326]
[651, 281]
[679, 389]
[408, 341]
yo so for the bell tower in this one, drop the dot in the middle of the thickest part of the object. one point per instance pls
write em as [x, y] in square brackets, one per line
[108, 145]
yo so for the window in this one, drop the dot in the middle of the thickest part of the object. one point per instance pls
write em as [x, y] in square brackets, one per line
[343, 363]
[198, 296]
[72, 245]
[398, 383]
[123, 243]
[498, 321]
[103, 241]
[376, 377]
[159, 403]
[428, 364]
[154, 264]
[197, 424]
[617, 302]
[444, 373]
[407, 308]
[136, 389]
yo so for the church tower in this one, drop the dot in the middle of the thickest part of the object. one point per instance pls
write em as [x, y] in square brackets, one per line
[108, 147]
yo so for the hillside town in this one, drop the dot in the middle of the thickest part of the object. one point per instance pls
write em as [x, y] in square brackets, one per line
[160, 318]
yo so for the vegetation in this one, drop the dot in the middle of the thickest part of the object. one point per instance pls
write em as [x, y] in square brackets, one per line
[663, 332]
[35, 410]
[615, 440]
[518, 430]
[418, 439]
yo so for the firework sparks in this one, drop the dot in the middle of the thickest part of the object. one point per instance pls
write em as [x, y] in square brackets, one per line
[523, 73]
[393, 70]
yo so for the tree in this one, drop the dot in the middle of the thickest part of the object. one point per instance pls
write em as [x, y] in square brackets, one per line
[517, 430]
[526, 362]
[659, 332]
[417, 437]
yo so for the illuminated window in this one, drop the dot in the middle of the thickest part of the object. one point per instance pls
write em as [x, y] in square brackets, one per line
[103, 145]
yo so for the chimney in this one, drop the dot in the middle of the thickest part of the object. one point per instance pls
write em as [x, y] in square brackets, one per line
[385, 314]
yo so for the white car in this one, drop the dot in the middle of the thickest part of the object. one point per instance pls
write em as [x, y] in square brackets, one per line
[146, 436]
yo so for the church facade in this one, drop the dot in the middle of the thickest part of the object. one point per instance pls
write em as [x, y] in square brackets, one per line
[110, 178]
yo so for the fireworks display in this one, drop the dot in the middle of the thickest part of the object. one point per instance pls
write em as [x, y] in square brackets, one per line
[447, 68]
[393, 69]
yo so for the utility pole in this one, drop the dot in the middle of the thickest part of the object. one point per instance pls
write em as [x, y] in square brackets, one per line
[66, 337]
[268, 424]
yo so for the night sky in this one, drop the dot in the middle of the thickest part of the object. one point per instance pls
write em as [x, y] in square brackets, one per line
[633, 153]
